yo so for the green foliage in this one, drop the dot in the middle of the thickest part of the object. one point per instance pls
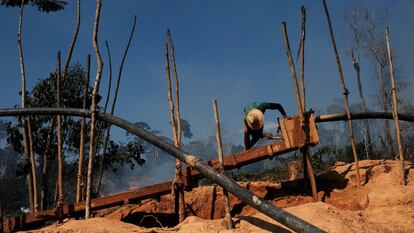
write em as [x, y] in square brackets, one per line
[44, 95]
[324, 158]
[124, 154]
[41, 5]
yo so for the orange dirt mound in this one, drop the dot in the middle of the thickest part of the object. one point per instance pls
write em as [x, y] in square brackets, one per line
[380, 205]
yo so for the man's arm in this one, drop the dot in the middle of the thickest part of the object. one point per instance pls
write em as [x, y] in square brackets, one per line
[246, 137]
[276, 106]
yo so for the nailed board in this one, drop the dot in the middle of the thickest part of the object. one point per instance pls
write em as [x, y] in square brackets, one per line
[292, 132]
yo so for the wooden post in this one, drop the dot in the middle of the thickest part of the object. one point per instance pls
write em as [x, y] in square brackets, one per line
[220, 158]
[345, 94]
[79, 178]
[175, 189]
[395, 108]
[367, 132]
[118, 81]
[29, 176]
[94, 108]
[75, 36]
[178, 164]
[59, 137]
[305, 126]
[300, 109]
[302, 58]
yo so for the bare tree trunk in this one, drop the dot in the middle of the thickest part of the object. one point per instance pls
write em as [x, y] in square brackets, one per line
[75, 36]
[29, 179]
[94, 109]
[345, 93]
[307, 165]
[220, 158]
[395, 109]
[102, 125]
[170, 100]
[44, 185]
[33, 163]
[60, 201]
[118, 81]
[110, 77]
[367, 133]
[174, 188]
[69, 56]
[302, 58]
[178, 175]
[387, 128]
[309, 168]
[79, 177]
[24, 123]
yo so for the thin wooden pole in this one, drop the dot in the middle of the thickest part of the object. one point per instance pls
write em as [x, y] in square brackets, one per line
[300, 109]
[170, 100]
[345, 94]
[178, 163]
[177, 96]
[102, 124]
[29, 178]
[302, 58]
[118, 81]
[292, 68]
[305, 150]
[176, 182]
[220, 158]
[367, 133]
[75, 36]
[395, 108]
[79, 178]
[59, 136]
[94, 108]
[108, 94]
[33, 164]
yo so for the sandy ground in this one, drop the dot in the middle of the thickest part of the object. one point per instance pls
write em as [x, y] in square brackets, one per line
[381, 205]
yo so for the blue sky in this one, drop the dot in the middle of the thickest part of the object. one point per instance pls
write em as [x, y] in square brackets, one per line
[232, 50]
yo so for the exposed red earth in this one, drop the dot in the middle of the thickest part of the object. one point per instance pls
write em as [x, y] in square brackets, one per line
[380, 205]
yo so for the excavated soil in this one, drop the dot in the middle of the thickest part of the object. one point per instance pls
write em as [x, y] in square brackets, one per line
[382, 204]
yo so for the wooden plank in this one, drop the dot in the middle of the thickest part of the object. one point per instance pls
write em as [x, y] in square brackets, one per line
[96, 204]
[237, 160]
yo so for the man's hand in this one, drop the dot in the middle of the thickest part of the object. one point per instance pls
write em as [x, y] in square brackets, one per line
[269, 136]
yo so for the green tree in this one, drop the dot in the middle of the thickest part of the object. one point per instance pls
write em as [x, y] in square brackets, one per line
[43, 95]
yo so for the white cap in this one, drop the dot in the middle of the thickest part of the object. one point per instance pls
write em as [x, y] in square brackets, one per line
[255, 119]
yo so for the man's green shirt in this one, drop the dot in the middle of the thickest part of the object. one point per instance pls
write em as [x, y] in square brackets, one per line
[263, 106]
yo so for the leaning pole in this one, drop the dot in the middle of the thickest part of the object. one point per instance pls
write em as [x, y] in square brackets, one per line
[283, 217]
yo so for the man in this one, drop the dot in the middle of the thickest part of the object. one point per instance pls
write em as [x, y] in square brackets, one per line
[254, 122]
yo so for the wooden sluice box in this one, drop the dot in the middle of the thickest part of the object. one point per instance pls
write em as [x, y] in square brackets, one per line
[294, 134]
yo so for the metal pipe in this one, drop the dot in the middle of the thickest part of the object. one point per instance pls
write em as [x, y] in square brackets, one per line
[231, 186]
[362, 115]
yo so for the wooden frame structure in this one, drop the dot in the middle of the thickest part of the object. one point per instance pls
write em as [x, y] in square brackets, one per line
[292, 136]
